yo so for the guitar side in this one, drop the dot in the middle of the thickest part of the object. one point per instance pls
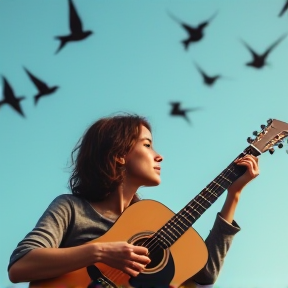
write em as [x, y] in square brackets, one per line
[189, 252]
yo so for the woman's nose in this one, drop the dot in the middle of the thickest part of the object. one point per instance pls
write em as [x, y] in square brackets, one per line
[158, 158]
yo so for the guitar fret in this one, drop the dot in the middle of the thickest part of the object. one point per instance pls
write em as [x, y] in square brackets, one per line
[171, 226]
[164, 240]
[232, 171]
[163, 231]
[170, 231]
[196, 216]
[226, 179]
[191, 213]
[184, 217]
[199, 204]
[205, 198]
[218, 184]
[178, 219]
[211, 192]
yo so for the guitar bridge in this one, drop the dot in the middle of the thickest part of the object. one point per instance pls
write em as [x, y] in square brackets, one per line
[97, 279]
[100, 283]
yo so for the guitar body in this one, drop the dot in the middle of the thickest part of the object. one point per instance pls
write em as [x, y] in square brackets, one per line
[138, 222]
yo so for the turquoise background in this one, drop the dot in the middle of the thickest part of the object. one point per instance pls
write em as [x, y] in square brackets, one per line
[135, 62]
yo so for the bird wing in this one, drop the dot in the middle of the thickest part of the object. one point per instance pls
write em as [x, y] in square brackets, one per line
[205, 23]
[212, 17]
[255, 55]
[75, 21]
[270, 48]
[10, 97]
[187, 27]
[41, 86]
[192, 109]
[285, 7]
[200, 70]
[8, 91]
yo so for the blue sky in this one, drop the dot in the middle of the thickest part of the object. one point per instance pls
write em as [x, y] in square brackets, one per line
[135, 62]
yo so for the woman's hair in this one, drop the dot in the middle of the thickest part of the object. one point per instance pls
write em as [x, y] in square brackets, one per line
[96, 172]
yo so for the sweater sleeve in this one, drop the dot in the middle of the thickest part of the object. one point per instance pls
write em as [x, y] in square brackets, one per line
[218, 243]
[49, 230]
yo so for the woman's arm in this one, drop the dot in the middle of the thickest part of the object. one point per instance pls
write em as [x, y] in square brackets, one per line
[234, 191]
[43, 263]
[41, 254]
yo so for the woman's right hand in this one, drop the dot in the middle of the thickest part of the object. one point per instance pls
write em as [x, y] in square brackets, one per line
[123, 256]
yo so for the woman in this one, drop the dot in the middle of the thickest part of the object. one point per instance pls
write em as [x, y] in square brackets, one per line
[114, 158]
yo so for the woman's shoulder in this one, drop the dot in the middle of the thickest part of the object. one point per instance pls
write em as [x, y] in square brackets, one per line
[67, 197]
[70, 200]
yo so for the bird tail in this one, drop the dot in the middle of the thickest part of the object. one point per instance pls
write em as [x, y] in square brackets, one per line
[185, 43]
[63, 41]
[36, 99]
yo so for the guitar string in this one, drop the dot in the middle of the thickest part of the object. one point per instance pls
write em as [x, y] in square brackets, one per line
[153, 241]
[187, 211]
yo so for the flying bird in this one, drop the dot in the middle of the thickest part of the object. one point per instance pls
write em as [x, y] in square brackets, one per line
[285, 8]
[177, 111]
[208, 80]
[259, 60]
[76, 30]
[43, 88]
[195, 33]
[10, 98]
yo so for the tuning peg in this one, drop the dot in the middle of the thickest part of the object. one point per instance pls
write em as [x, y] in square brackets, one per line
[280, 145]
[263, 126]
[249, 140]
[269, 121]
[271, 150]
[255, 133]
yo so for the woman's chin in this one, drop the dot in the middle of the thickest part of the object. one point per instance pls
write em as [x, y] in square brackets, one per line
[154, 182]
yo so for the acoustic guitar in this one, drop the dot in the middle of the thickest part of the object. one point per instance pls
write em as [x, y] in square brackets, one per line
[176, 250]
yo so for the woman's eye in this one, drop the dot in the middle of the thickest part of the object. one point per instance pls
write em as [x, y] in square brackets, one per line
[147, 145]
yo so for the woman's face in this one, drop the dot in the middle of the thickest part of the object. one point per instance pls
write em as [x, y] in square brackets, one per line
[142, 162]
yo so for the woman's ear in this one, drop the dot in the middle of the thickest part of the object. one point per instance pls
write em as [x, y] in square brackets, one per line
[120, 160]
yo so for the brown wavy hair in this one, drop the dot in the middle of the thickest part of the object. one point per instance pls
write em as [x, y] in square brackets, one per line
[96, 172]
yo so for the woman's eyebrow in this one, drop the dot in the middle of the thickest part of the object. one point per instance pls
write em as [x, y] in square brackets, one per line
[146, 138]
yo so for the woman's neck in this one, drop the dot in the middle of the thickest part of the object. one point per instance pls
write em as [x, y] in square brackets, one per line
[116, 202]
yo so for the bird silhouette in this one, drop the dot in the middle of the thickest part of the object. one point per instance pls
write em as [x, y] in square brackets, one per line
[285, 8]
[10, 98]
[43, 88]
[259, 60]
[76, 30]
[195, 33]
[208, 80]
[177, 111]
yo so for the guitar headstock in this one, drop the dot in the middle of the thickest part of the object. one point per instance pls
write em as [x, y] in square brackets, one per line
[271, 135]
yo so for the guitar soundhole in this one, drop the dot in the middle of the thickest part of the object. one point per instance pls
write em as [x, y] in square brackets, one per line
[158, 256]
[155, 255]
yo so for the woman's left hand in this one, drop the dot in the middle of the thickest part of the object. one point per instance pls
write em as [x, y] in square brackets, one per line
[251, 163]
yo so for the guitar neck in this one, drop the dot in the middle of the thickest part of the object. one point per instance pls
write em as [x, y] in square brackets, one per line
[187, 216]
